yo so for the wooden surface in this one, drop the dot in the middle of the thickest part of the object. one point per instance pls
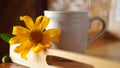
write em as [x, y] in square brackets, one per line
[11, 65]
[107, 47]
[59, 63]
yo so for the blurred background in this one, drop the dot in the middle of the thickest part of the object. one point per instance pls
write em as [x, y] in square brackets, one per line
[106, 46]
[10, 10]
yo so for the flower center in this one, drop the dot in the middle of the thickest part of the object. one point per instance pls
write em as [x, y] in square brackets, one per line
[36, 36]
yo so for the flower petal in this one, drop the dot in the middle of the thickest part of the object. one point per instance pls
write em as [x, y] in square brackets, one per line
[48, 45]
[51, 35]
[28, 22]
[54, 39]
[16, 40]
[43, 22]
[51, 39]
[25, 52]
[38, 21]
[19, 30]
[38, 48]
[52, 32]
[22, 46]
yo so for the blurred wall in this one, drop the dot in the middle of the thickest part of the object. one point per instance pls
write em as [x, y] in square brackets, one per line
[10, 10]
[94, 7]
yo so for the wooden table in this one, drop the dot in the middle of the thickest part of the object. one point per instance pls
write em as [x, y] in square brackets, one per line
[107, 47]
[11, 65]
[65, 64]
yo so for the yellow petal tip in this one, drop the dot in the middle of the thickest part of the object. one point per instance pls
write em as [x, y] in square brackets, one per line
[21, 17]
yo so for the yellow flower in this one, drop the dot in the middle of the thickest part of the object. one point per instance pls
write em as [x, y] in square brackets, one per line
[33, 37]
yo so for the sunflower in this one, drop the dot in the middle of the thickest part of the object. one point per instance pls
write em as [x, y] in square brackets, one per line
[34, 36]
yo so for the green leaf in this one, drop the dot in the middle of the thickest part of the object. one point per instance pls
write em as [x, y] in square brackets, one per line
[6, 37]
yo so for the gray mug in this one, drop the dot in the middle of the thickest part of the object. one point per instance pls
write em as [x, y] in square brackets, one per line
[74, 26]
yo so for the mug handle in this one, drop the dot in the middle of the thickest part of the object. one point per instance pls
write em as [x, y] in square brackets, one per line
[101, 31]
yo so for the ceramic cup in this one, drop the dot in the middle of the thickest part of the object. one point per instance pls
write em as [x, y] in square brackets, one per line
[74, 26]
